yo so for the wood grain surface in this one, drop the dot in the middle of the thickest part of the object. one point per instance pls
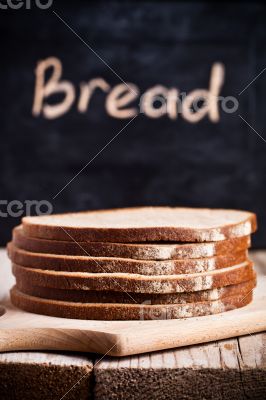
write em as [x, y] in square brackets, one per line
[41, 376]
[229, 369]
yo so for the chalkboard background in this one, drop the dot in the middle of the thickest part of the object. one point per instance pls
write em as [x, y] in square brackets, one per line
[153, 161]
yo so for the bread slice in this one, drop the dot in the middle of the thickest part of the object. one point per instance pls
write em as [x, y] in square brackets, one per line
[99, 311]
[134, 282]
[92, 296]
[143, 224]
[147, 251]
[124, 265]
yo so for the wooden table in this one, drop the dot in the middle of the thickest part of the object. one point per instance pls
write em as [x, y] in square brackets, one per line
[228, 369]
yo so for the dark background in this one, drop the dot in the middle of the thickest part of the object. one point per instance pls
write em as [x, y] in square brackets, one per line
[152, 162]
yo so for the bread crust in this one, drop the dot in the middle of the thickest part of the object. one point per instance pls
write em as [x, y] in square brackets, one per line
[37, 227]
[136, 283]
[125, 311]
[92, 296]
[139, 251]
[124, 265]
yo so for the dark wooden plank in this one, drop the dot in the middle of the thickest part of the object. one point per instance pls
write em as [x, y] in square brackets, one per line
[45, 376]
[252, 362]
[222, 370]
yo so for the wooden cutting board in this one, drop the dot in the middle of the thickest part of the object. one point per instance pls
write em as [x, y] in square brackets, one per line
[20, 330]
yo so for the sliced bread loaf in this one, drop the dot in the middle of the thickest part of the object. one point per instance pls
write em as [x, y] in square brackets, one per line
[134, 282]
[94, 296]
[125, 311]
[124, 265]
[147, 251]
[143, 224]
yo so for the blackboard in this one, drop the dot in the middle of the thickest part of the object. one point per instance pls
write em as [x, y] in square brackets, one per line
[153, 161]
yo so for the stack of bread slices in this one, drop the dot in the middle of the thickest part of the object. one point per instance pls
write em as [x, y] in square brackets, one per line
[136, 263]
